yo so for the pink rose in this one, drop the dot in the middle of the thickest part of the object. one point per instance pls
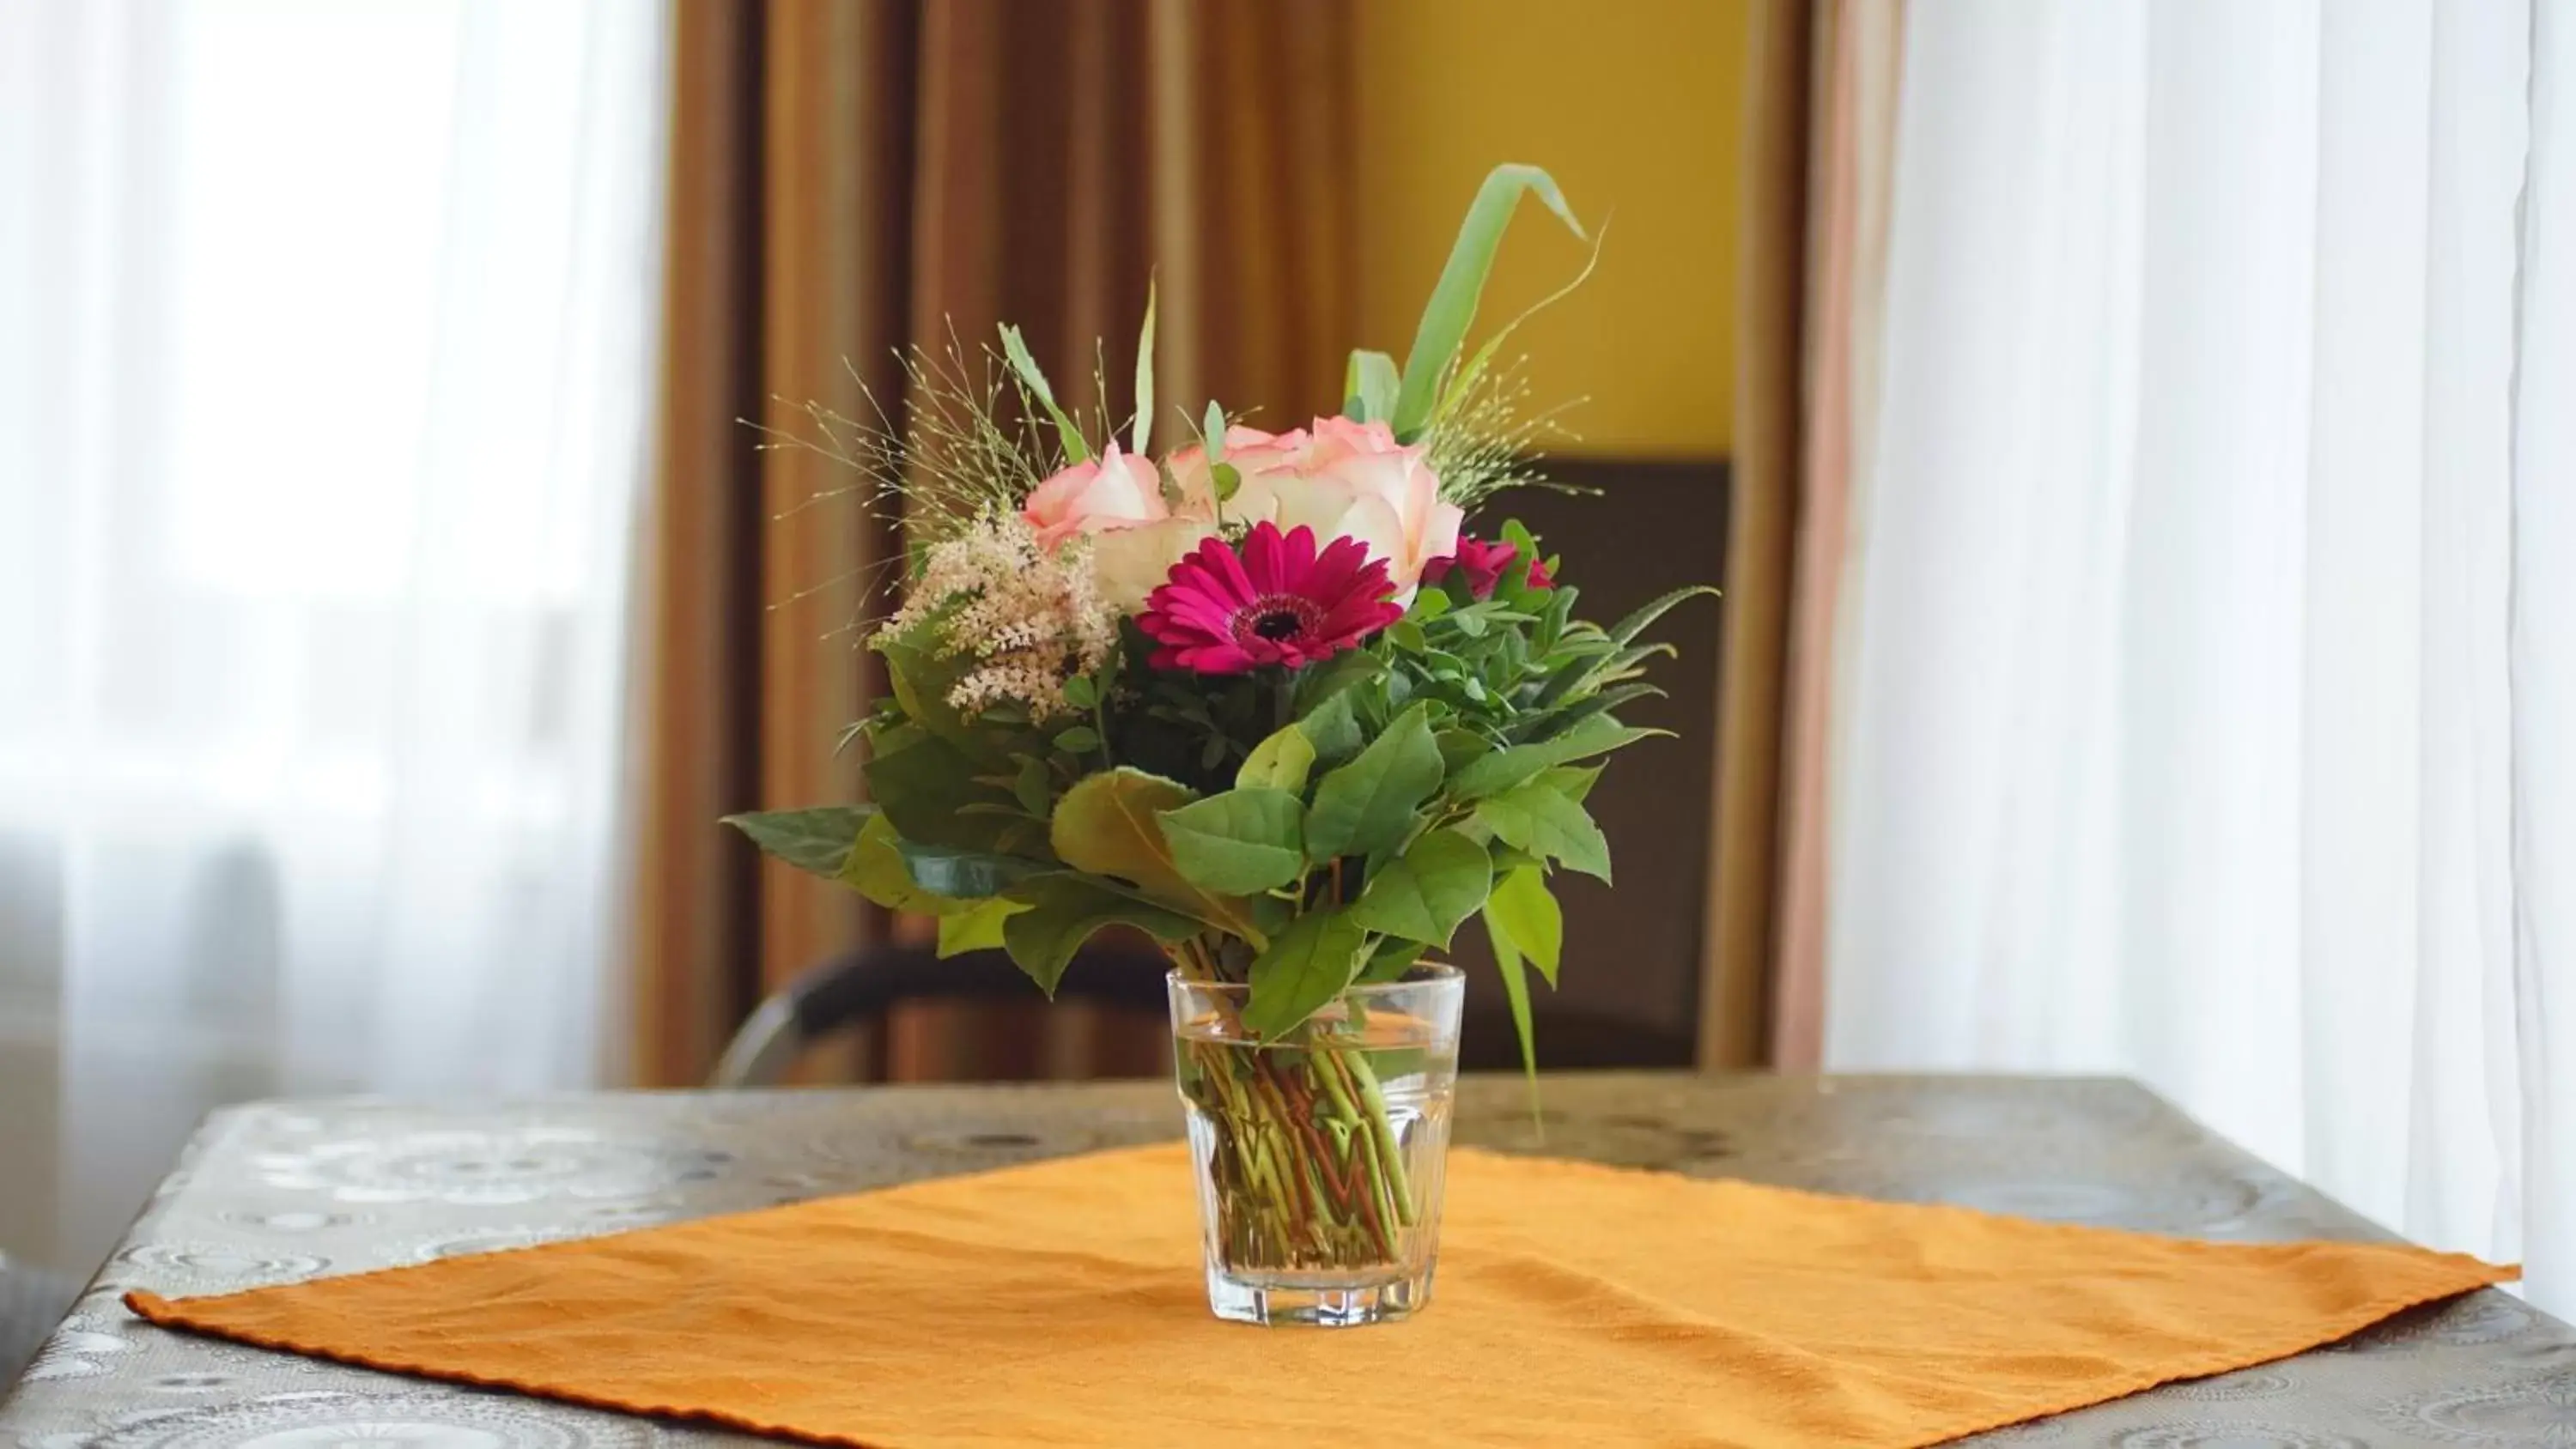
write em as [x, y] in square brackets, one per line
[1353, 480]
[1112, 491]
[1250, 450]
[1339, 438]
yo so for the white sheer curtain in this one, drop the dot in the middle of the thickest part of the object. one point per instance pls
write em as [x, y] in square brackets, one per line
[2210, 650]
[325, 335]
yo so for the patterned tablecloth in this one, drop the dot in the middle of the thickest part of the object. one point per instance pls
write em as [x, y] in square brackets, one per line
[273, 1193]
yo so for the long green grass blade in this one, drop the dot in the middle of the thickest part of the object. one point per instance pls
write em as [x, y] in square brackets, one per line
[1507, 958]
[1464, 383]
[1033, 378]
[1369, 386]
[1452, 307]
[1145, 375]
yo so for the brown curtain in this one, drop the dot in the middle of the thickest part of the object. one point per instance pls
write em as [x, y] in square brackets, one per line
[854, 176]
[1735, 975]
[1818, 171]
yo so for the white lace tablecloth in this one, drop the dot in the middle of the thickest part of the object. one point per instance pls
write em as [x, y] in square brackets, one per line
[279, 1192]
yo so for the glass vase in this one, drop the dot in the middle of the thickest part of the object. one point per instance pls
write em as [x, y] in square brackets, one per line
[1319, 1155]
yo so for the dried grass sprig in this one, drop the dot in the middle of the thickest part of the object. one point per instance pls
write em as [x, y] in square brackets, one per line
[1488, 438]
[959, 442]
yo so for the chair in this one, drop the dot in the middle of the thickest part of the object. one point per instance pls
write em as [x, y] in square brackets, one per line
[851, 989]
[32, 1303]
[865, 984]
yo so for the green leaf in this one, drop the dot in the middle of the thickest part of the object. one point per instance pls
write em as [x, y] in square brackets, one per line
[1424, 893]
[1079, 740]
[1106, 824]
[979, 927]
[1332, 729]
[1627, 629]
[1305, 966]
[1507, 960]
[1505, 769]
[1463, 382]
[876, 869]
[1323, 683]
[1538, 818]
[925, 786]
[1393, 957]
[921, 683]
[1239, 842]
[1225, 480]
[1461, 747]
[1033, 786]
[816, 841]
[1212, 433]
[1452, 307]
[1082, 691]
[1145, 374]
[1551, 723]
[1280, 762]
[1369, 386]
[1367, 805]
[1522, 906]
[1574, 782]
[1064, 911]
[1034, 379]
[965, 874]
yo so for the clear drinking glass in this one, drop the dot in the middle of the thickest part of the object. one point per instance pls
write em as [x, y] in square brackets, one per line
[1320, 1155]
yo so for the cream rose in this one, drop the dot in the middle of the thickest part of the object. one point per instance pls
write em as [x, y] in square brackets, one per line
[1128, 564]
[1353, 480]
[1113, 491]
[1249, 450]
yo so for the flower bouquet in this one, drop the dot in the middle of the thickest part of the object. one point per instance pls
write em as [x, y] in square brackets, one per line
[1266, 700]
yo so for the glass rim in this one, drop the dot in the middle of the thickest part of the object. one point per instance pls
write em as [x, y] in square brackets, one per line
[1432, 974]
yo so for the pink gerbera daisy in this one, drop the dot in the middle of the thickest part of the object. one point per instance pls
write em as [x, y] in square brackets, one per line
[1277, 601]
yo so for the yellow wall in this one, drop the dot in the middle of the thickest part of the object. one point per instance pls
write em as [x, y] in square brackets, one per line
[1636, 107]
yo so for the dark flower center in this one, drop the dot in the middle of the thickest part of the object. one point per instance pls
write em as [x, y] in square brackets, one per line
[1278, 618]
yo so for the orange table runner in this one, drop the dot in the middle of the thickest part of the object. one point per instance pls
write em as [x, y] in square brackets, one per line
[1061, 1304]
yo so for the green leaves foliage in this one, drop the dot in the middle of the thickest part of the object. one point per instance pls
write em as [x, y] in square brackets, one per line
[1105, 824]
[1280, 762]
[1304, 966]
[1541, 819]
[977, 928]
[1392, 958]
[1507, 961]
[1424, 893]
[1518, 764]
[1522, 908]
[816, 840]
[935, 794]
[1628, 628]
[875, 868]
[1244, 840]
[1064, 911]
[964, 874]
[1108, 824]
[921, 681]
[1367, 805]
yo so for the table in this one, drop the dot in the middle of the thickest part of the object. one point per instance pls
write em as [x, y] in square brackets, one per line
[276, 1192]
